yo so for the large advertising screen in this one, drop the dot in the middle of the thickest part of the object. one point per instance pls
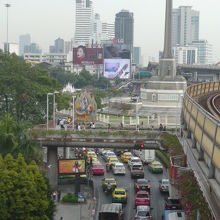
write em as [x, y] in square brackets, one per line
[87, 56]
[69, 167]
[117, 68]
[114, 51]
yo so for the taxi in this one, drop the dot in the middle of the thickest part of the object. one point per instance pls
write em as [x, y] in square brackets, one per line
[155, 167]
[126, 156]
[112, 160]
[89, 155]
[109, 180]
[119, 195]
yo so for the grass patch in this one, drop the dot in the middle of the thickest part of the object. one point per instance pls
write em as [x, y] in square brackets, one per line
[163, 158]
[70, 198]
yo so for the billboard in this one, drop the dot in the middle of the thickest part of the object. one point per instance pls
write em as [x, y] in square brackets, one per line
[68, 167]
[87, 56]
[117, 68]
[85, 107]
[114, 51]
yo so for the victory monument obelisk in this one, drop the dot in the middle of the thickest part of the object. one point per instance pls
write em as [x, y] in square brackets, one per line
[163, 93]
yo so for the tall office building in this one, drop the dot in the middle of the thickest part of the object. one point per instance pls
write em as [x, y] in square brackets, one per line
[205, 53]
[24, 40]
[32, 48]
[185, 55]
[185, 25]
[84, 22]
[108, 31]
[137, 55]
[97, 30]
[59, 45]
[124, 27]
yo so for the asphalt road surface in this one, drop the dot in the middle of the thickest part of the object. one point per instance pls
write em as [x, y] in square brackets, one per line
[156, 197]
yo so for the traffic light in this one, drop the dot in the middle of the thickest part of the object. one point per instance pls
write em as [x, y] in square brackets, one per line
[139, 146]
[142, 146]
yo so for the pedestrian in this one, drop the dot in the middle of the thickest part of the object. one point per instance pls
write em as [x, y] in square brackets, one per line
[58, 195]
[61, 218]
[79, 128]
[54, 196]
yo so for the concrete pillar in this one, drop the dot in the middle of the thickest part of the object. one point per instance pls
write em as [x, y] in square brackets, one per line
[67, 152]
[100, 117]
[201, 154]
[152, 117]
[130, 120]
[158, 120]
[166, 120]
[193, 142]
[138, 120]
[107, 118]
[123, 119]
[211, 174]
[188, 133]
[52, 165]
[103, 118]
[148, 120]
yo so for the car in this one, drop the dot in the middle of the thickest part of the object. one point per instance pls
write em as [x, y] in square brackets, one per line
[98, 169]
[119, 195]
[108, 154]
[118, 168]
[137, 170]
[164, 185]
[112, 160]
[134, 160]
[142, 184]
[172, 204]
[143, 213]
[109, 180]
[90, 154]
[126, 156]
[142, 198]
[111, 211]
[155, 167]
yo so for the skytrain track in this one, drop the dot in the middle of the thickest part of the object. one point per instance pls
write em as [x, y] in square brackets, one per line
[213, 104]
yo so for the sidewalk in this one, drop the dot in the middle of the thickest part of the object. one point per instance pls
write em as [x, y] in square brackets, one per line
[75, 212]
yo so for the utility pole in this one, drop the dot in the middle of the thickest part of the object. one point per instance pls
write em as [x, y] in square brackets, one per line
[7, 6]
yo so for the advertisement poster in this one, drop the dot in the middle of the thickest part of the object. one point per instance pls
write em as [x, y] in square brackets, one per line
[87, 56]
[117, 68]
[85, 107]
[71, 166]
[117, 51]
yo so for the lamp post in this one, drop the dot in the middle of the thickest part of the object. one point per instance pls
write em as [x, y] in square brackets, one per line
[48, 94]
[54, 108]
[136, 114]
[7, 6]
[73, 112]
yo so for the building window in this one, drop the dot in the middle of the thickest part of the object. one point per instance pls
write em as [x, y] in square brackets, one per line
[154, 97]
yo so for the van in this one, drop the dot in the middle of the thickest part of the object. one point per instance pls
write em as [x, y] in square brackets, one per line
[112, 211]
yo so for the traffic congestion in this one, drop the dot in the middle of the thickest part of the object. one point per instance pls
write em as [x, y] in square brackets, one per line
[129, 186]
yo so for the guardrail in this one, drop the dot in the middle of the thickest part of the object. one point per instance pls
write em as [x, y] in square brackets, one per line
[203, 125]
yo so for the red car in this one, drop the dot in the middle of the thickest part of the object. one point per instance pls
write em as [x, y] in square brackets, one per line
[142, 198]
[98, 169]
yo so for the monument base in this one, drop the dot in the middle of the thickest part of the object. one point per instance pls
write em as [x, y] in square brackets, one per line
[167, 68]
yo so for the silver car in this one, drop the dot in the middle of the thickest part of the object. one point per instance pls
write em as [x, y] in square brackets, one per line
[143, 213]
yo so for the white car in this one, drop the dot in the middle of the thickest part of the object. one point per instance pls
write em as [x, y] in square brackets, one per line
[108, 154]
[118, 168]
[134, 160]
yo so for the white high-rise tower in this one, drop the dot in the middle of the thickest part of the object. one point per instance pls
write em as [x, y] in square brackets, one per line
[84, 22]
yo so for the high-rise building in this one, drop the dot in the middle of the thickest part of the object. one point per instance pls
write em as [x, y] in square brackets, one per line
[32, 48]
[124, 27]
[68, 46]
[205, 53]
[185, 55]
[24, 40]
[97, 30]
[137, 55]
[108, 31]
[59, 45]
[185, 25]
[84, 22]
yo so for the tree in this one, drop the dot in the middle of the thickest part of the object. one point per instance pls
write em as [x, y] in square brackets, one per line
[23, 190]
[23, 89]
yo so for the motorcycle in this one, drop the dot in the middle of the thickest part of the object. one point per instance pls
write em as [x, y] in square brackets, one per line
[108, 189]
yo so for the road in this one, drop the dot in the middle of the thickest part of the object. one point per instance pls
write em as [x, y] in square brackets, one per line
[157, 199]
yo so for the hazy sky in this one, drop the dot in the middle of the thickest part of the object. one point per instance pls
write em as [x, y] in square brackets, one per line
[46, 20]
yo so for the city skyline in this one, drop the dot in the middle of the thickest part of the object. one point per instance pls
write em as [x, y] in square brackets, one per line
[38, 18]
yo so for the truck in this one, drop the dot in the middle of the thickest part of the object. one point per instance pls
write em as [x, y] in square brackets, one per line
[146, 156]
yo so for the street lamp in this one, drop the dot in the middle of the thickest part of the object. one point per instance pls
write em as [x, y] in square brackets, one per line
[7, 6]
[73, 112]
[137, 114]
[54, 108]
[48, 94]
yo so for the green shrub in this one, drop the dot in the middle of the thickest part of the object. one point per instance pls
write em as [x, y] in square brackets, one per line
[70, 198]
[163, 158]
